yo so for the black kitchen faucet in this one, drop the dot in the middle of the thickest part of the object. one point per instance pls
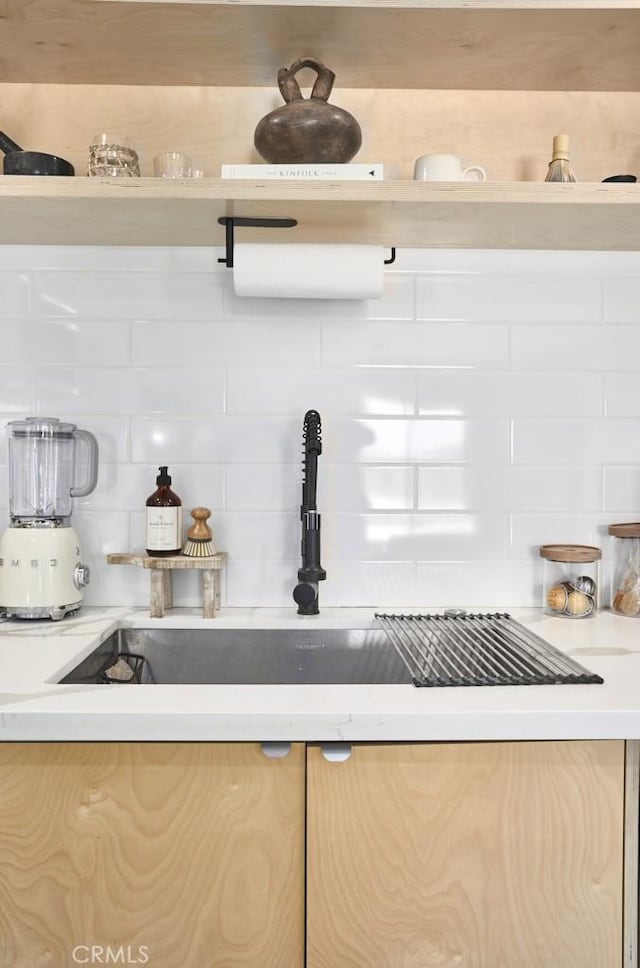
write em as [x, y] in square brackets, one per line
[306, 591]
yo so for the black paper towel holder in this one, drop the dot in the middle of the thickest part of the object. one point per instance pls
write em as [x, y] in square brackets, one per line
[230, 222]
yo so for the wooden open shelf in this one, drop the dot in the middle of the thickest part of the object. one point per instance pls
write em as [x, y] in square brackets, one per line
[148, 211]
[437, 44]
[491, 80]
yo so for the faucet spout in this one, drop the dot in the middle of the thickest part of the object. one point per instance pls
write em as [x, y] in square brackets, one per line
[305, 593]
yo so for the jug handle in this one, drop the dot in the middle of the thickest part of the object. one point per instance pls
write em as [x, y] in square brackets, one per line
[289, 87]
[81, 490]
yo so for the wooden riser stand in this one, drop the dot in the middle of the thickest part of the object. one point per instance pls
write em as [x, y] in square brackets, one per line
[161, 578]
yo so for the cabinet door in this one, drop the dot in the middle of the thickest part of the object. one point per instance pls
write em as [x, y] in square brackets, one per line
[476, 855]
[173, 855]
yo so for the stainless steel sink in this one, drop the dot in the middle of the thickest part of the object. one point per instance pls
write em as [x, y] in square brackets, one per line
[245, 656]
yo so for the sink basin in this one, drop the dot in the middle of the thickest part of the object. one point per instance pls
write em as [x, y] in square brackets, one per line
[247, 657]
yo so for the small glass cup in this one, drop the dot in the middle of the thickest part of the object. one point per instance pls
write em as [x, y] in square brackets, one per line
[113, 155]
[172, 164]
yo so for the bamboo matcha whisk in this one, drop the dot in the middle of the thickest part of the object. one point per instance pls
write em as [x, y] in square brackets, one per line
[560, 169]
[199, 543]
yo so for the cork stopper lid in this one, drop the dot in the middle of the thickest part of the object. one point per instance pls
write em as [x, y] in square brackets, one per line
[625, 530]
[567, 552]
[561, 147]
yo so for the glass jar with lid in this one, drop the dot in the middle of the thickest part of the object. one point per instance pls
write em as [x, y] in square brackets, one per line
[625, 589]
[570, 580]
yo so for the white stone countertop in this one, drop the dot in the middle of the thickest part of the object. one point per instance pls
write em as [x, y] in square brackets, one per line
[35, 707]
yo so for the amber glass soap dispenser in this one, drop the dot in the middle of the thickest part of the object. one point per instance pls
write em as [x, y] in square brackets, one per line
[164, 519]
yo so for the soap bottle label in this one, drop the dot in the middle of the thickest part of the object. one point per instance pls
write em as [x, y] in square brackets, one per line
[164, 528]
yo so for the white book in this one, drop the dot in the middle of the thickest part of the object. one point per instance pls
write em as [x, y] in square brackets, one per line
[352, 172]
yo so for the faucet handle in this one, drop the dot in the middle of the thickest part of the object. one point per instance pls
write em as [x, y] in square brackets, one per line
[305, 595]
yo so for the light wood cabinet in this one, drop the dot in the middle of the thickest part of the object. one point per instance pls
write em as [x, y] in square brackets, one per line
[469, 855]
[186, 855]
[455, 855]
[492, 80]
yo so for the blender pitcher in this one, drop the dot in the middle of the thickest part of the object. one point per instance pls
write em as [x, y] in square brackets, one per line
[43, 456]
[41, 574]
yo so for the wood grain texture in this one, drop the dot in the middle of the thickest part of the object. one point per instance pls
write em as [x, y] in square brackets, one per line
[194, 850]
[170, 563]
[435, 46]
[509, 133]
[631, 858]
[501, 855]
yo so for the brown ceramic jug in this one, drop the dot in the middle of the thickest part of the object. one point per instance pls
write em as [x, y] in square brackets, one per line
[307, 131]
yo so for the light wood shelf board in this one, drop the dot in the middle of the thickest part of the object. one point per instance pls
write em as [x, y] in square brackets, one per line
[150, 211]
[408, 4]
[528, 47]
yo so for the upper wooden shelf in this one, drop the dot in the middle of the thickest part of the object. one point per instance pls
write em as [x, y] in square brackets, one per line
[426, 44]
[148, 211]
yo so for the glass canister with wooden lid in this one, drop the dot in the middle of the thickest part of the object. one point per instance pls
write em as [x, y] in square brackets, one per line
[625, 590]
[570, 580]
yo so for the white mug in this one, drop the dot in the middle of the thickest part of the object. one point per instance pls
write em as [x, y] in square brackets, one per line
[446, 168]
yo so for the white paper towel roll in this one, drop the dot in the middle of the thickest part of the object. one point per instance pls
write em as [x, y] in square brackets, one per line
[309, 271]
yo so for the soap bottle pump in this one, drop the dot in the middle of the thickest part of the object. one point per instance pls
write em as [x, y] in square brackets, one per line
[164, 518]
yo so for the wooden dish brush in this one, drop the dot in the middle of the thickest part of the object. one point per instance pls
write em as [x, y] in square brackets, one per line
[199, 543]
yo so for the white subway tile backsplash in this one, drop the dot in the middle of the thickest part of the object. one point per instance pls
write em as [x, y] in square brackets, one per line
[576, 262]
[371, 390]
[341, 487]
[252, 583]
[378, 584]
[379, 441]
[449, 260]
[603, 347]
[474, 393]
[622, 490]
[102, 532]
[349, 487]
[14, 295]
[233, 343]
[478, 584]
[414, 537]
[604, 441]
[115, 584]
[218, 439]
[622, 394]
[529, 531]
[16, 389]
[17, 342]
[135, 390]
[113, 434]
[268, 487]
[621, 299]
[509, 299]
[76, 342]
[519, 488]
[259, 534]
[127, 295]
[414, 344]
[487, 404]
[134, 258]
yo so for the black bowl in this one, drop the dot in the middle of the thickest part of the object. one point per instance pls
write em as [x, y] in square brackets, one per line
[36, 163]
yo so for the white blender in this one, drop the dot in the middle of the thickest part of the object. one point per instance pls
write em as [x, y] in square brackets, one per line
[41, 574]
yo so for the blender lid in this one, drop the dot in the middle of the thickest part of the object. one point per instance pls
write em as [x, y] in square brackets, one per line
[43, 427]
